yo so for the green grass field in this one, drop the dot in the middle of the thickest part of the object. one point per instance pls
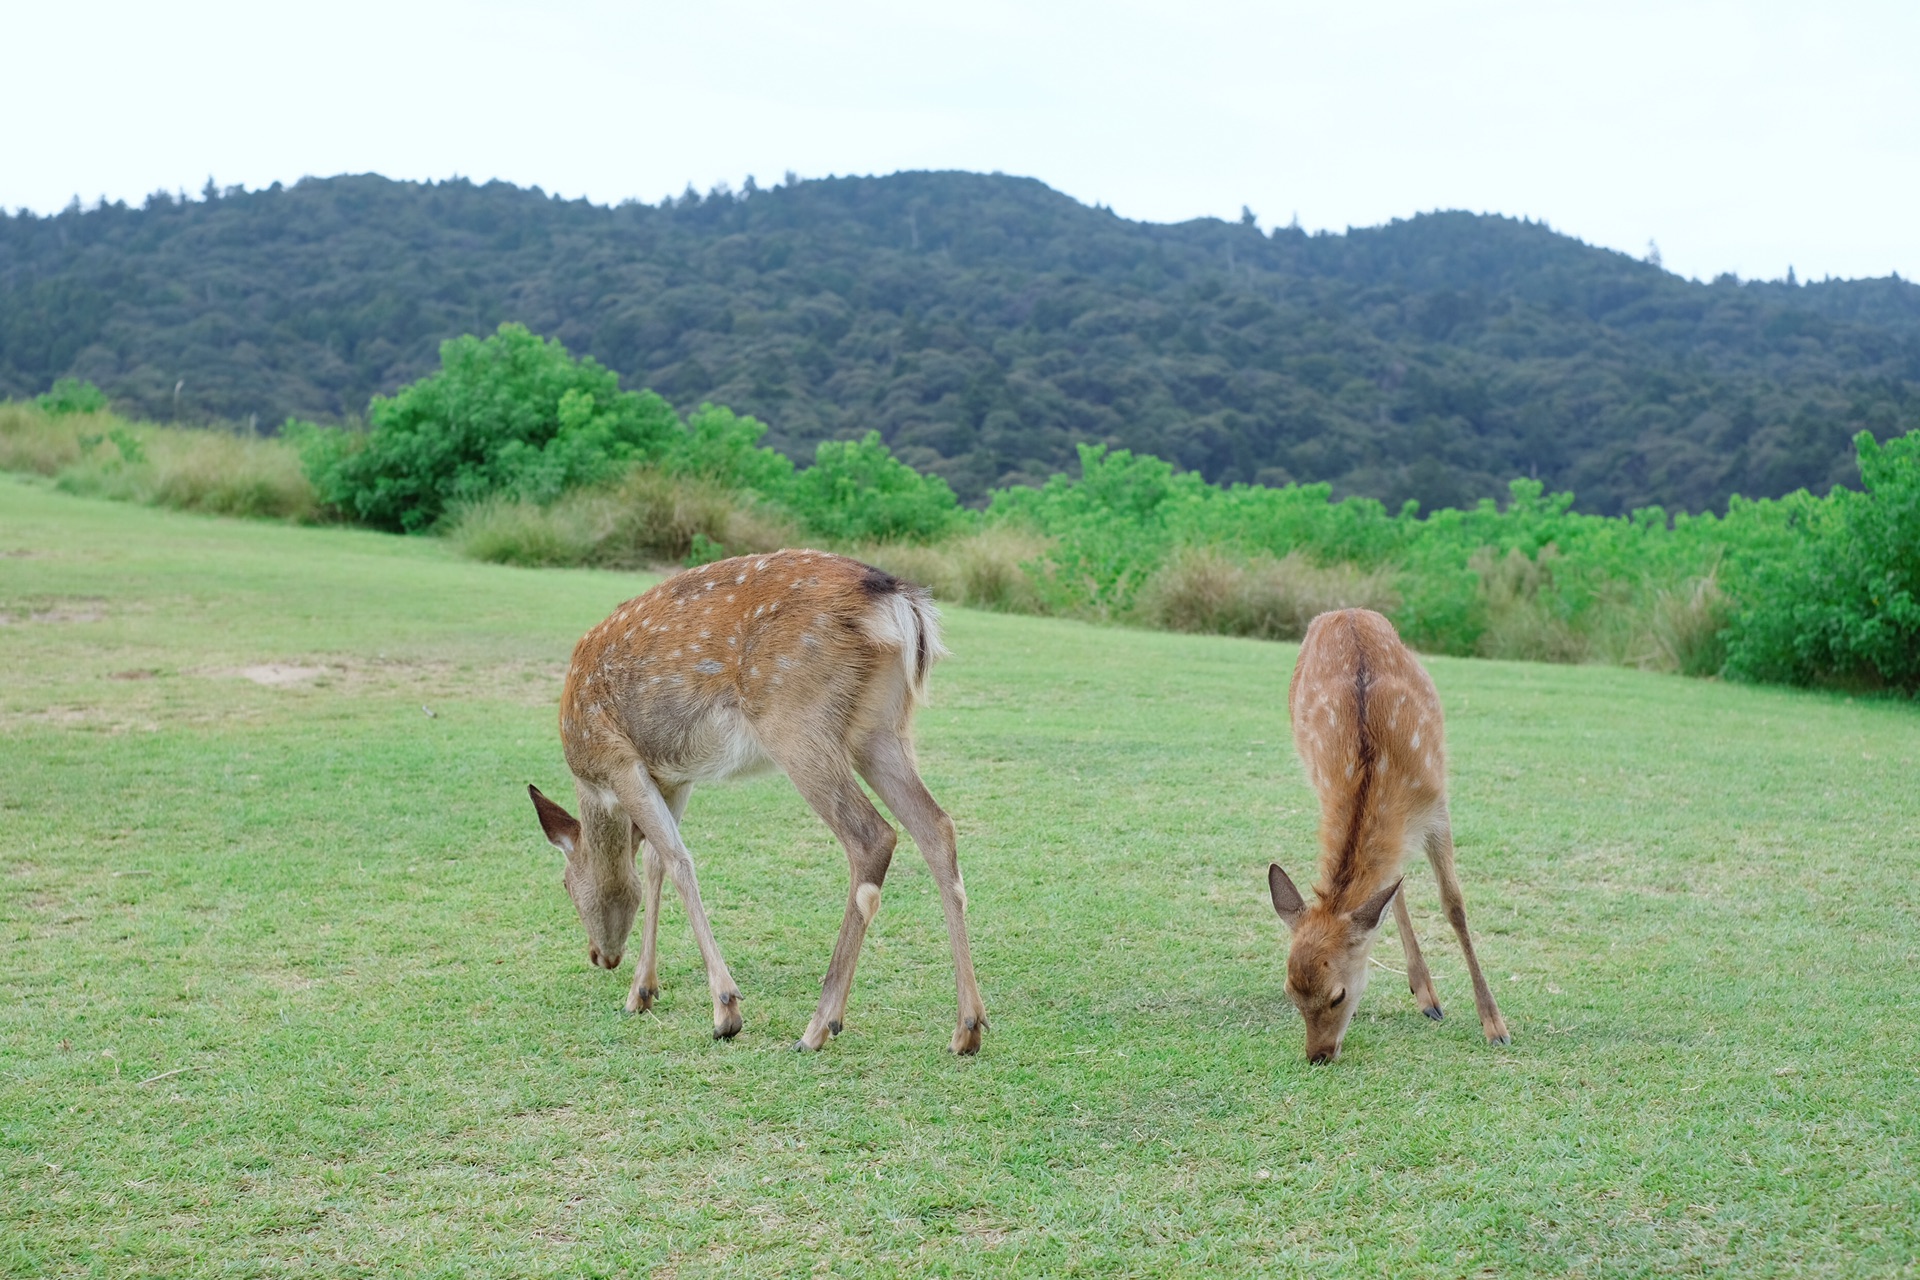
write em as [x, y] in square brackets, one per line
[291, 986]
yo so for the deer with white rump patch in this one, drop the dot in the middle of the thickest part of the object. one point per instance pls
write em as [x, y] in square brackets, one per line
[798, 661]
[1366, 721]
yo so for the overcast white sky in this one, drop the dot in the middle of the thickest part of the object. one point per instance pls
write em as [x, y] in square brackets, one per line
[1741, 137]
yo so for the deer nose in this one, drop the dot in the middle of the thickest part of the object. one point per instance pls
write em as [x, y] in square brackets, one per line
[1319, 1056]
[595, 957]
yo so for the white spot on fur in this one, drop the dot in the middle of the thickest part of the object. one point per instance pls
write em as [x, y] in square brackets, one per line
[707, 666]
[867, 898]
[1415, 743]
[738, 580]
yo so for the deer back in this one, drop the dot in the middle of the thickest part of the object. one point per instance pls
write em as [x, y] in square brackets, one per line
[1367, 724]
[704, 675]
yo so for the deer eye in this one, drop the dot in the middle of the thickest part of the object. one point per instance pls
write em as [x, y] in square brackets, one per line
[1338, 996]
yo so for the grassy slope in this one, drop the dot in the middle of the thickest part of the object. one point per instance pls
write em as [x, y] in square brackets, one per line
[332, 915]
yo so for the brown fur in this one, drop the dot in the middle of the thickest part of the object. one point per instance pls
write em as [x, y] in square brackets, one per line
[1368, 727]
[799, 661]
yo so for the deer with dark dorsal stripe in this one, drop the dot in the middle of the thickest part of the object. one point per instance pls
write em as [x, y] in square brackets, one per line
[797, 661]
[1367, 724]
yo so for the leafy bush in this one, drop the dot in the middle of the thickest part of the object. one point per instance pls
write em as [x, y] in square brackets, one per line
[72, 395]
[1842, 603]
[724, 448]
[857, 490]
[512, 414]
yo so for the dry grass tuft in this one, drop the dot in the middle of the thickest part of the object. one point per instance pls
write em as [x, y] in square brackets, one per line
[1204, 589]
[647, 518]
[1517, 593]
[986, 569]
[188, 468]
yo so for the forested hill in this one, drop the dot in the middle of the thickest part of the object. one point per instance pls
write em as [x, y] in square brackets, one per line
[984, 324]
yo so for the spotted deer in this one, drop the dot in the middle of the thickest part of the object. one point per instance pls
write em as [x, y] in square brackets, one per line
[797, 661]
[1366, 722]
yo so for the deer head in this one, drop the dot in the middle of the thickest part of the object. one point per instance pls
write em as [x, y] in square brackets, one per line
[599, 876]
[1327, 963]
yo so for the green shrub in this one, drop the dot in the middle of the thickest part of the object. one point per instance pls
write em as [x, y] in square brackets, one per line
[512, 414]
[72, 395]
[723, 447]
[856, 490]
[1841, 604]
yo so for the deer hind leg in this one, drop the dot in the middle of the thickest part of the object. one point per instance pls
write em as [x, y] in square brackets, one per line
[837, 798]
[654, 817]
[1419, 981]
[646, 976]
[1440, 854]
[886, 761]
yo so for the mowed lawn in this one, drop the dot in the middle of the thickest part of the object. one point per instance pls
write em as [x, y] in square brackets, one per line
[289, 985]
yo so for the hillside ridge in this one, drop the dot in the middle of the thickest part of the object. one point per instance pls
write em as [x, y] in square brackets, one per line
[985, 324]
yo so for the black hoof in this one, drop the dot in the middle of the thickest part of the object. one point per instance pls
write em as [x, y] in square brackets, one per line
[833, 1028]
[1499, 1040]
[1434, 1011]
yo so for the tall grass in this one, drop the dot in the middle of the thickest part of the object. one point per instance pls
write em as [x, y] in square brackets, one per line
[992, 567]
[644, 519]
[192, 469]
[1205, 589]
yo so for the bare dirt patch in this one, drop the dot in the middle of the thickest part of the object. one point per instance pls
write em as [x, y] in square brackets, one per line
[63, 611]
[99, 719]
[275, 675]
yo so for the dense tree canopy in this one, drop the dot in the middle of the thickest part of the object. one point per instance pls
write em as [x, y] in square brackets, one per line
[985, 325]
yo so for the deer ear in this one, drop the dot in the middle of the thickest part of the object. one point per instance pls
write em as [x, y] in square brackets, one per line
[1368, 914]
[1286, 899]
[560, 827]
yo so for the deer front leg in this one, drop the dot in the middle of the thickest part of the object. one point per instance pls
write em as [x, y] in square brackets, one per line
[650, 812]
[1440, 854]
[646, 977]
[1419, 981]
[886, 761]
[869, 842]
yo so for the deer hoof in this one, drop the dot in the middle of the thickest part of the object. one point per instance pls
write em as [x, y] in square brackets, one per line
[966, 1040]
[1502, 1038]
[726, 1019]
[1434, 1011]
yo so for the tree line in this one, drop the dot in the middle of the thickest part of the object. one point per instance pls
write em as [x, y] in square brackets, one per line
[987, 326]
